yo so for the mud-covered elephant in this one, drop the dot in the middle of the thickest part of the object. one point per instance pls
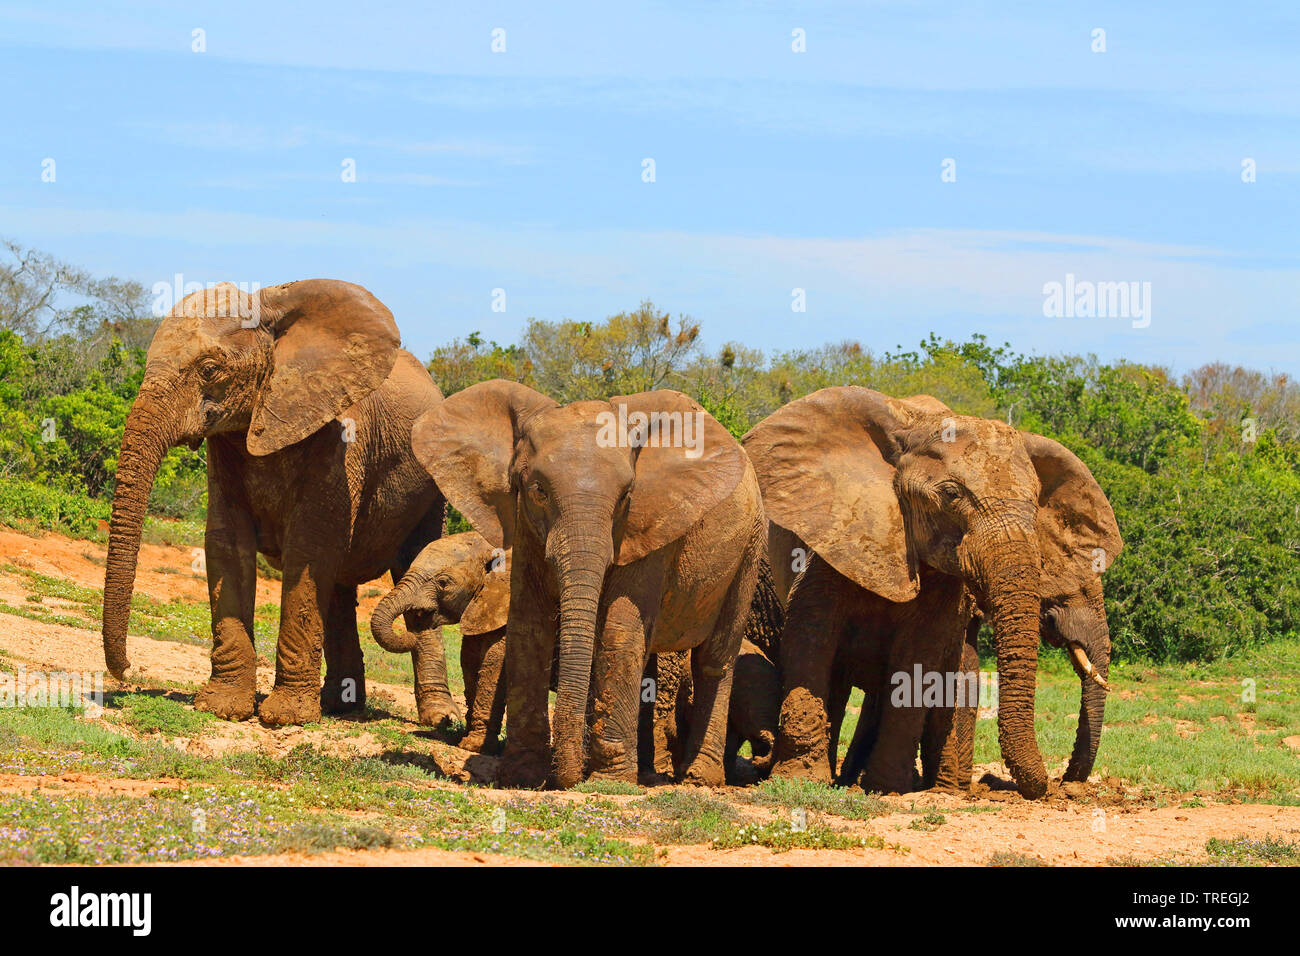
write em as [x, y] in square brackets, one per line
[306, 402]
[755, 690]
[637, 528]
[459, 579]
[903, 505]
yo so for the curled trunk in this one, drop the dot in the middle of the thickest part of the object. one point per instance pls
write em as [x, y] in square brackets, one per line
[395, 602]
[148, 435]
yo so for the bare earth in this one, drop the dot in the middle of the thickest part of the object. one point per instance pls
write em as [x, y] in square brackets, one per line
[1059, 830]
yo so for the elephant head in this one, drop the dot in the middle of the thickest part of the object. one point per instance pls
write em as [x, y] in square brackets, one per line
[460, 579]
[277, 366]
[878, 486]
[575, 490]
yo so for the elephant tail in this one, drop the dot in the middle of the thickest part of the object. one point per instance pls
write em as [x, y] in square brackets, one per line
[766, 615]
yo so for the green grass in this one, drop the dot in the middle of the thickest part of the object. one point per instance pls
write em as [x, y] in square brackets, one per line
[1245, 851]
[155, 714]
[783, 835]
[791, 793]
[681, 816]
[610, 787]
[31, 507]
[1232, 745]
[1011, 858]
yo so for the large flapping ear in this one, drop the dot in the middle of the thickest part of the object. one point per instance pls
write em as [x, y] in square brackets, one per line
[686, 464]
[466, 443]
[489, 609]
[1077, 531]
[335, 343]
[824, 465]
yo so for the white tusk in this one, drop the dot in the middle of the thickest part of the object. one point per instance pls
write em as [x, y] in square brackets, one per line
[1085, 665]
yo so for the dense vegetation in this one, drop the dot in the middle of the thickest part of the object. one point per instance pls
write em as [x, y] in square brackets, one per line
[1203, 471]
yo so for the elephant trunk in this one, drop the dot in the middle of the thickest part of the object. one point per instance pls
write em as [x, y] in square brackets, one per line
[1092, 702]
[581, 555]
[1009, 569]
[395, 602]
[150, 431]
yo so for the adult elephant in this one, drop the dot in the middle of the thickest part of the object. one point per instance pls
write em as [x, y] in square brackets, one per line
[306, 402]
[910, 503]
[459, 579]
[637, 528]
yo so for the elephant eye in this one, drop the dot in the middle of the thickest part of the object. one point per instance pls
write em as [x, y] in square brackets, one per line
[443, 582]
[538, 492]
[950, 493]
[208, 372]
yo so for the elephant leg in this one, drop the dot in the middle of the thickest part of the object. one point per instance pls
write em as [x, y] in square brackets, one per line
[433, 700]
[230, 549]
[485, 691]
[345, 672]
[621, 653]
[530, 654]
[672, 676]
[311, 560]
[956, 757]
[891, 764]
[713, 668]
[815, 620]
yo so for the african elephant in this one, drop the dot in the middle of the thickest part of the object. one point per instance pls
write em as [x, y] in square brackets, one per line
[903, 502]
[755, 690]
[637, 528]
[459, 579]
[306, 402]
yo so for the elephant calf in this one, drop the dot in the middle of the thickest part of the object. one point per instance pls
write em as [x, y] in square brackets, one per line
[460, 579]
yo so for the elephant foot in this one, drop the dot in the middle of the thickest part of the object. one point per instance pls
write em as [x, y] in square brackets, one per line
[479, 741]
[343, 696]
[523, 770]
[875, 780]
[807, 767]
[225, 700]
[704, 772]
[290, 705]
[436, 707]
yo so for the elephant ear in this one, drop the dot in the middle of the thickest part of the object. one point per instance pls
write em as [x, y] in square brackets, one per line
[1077, 532]
[824, 465]
[335, 343]
[489, 609]
[466, 443]
[683, 470]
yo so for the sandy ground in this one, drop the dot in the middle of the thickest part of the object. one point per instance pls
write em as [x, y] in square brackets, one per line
[1079, 828]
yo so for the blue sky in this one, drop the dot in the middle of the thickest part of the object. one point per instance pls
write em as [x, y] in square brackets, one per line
[774, 170]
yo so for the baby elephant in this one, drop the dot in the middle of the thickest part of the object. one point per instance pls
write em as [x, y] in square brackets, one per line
[458, 579]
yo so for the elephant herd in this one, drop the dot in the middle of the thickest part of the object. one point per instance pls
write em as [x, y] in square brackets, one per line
[680, 592]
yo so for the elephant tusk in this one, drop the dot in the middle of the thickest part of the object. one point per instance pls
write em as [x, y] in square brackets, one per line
[1085, 666]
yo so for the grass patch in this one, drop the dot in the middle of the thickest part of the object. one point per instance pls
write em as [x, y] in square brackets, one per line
[156, 714]
[609, 787]
[792, 793]
[1247, 851]
[685, 817]
[1012, 858]
[782, 835]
